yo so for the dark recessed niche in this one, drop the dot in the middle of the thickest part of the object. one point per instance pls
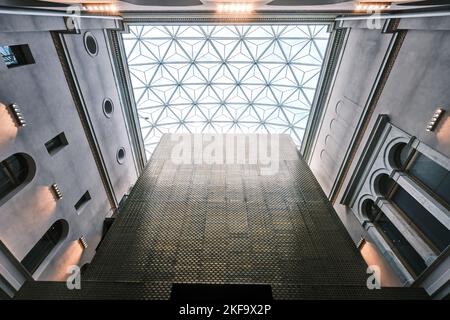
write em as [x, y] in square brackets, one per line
[56, 144]
[90, 43]
[108, 108]
[121, 155]
[49, 241]
[16, 56]
[83, 201]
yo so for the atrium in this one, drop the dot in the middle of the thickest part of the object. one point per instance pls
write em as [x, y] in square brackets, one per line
[210, 150]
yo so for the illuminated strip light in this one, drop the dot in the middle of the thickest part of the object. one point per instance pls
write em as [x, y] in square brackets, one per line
[373, 6]
[18, 115]
[57, 191]
[234, 7]
[83, 242]
[110, 8]
[435, 119]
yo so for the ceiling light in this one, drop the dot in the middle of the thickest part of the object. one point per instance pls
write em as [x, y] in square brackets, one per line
[100, 8]
[234, 7]
[373, 6]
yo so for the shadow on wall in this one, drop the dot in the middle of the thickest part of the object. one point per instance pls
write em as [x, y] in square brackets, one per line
[8, 126]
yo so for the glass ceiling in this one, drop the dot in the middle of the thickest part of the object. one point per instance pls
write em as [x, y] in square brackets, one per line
[224, 78]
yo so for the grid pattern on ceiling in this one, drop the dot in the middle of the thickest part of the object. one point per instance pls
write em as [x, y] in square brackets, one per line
[224, 78]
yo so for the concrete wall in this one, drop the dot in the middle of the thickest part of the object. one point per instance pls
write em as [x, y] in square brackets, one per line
[42, 92]
[97, 83]
[416, 84]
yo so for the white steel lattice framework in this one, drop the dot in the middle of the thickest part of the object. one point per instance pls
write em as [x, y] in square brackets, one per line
[224, 78]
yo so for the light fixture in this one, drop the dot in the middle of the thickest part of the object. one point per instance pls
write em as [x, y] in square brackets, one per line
[100, 8]
[435, 119]
[57, 192]
[83, 242]
[373, 6]
[232, 7]
[18, 115]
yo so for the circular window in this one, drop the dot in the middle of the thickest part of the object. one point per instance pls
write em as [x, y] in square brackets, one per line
[90, 43]
[121, 155]
[108, 108]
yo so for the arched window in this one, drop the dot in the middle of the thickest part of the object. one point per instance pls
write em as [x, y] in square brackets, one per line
[15, 172]
[424, 170]
[404, 251]
[433, 231]
[57, 232]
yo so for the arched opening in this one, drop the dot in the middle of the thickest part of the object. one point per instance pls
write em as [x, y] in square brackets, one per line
[384, 185]
[400, 155]
[15, 172]
[433, 230]
[402, 248]
[54, 235]
[427, 172]
[90, 43]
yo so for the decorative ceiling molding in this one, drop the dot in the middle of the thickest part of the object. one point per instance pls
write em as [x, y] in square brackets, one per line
[201, 17]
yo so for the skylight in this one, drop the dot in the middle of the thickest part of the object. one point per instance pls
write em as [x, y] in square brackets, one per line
[224, 78]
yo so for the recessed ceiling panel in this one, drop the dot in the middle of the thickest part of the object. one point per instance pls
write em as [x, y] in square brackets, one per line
[224, 78]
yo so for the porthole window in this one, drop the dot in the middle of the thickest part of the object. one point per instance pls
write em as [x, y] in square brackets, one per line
[90, 43]
[15, 172]
[121, 155]
[108, 108]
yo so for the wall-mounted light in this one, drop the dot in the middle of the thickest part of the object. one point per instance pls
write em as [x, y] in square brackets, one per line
[100, 8]
[18, 115]
[238, 7]
[57, 192]
[373, 6]
[83, 242]
[437, 116]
